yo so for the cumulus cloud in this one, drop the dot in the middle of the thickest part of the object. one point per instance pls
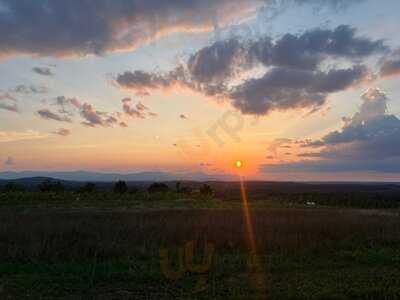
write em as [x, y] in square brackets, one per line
[391, 68]
[369, 141]
[49, 115]
[368, 122]
[8, 102]
[216, 62]
[142, 83]
[136, 111]
[62, 132]
[78, 27]
[69, 108]
[141, 107]
[66, 104]
[123, 125]
[130, 111]
[29, 89]
[44, 71]
[308, 50]
[9, 107]
[294, 73]
[391, 65]
[95, 118]
[283, 89]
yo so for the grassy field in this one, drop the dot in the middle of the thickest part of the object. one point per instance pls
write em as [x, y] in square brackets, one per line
[173, 248]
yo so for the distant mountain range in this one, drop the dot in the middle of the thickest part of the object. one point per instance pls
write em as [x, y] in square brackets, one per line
[83, 176]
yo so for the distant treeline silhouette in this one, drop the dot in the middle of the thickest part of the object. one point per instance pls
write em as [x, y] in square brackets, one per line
[363, 196]
[120, 187]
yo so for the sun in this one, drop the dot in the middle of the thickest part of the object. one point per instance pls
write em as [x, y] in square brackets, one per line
[239, 164]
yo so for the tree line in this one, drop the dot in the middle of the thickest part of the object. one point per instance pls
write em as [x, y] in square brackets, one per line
[120, 187]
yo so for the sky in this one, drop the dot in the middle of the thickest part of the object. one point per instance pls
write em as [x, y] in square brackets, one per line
[295, 89]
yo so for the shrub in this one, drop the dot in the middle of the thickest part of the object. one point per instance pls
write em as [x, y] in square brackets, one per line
[120, 187]
[206, 190]
[133, 190]
[88, 188]
[158, 188]
[186, 190]
[178, 187]
[12, 187]
[51, 186]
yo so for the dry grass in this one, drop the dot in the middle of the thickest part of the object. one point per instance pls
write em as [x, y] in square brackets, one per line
[78, 235]
[114, 254]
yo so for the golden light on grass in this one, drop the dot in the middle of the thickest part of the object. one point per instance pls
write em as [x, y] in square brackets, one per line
[254, 259]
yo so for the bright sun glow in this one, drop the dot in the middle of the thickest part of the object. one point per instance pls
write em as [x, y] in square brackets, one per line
[239, 164]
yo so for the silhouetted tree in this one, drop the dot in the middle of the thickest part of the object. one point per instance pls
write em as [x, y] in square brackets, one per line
[158, 188]
[51, 186]
[12, 187]
[186, 190]
[133, 190]
[206, 190]
[178, 187]
[88, 188]
[120, 187]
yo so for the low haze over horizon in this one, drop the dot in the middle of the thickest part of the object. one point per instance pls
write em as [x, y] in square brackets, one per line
[289, 90]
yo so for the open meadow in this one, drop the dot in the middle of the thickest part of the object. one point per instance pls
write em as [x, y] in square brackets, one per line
[174, 246]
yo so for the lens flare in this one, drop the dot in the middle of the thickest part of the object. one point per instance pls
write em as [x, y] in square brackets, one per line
[256, 264]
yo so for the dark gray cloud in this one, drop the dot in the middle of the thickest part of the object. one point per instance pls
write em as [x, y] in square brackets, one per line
[295, 77]
[77, 27]
[68, 107]
[143, 82]
[44, 71]
[308, 50]
[62, 132]
[369, 141]
[216, 62]
[49, 115]
[283, 89]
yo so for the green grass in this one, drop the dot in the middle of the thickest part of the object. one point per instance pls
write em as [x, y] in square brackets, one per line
[368, 273]
[110, 200]
[95, 248]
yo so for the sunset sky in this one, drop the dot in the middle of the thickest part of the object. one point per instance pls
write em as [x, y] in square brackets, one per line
[296, 89]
